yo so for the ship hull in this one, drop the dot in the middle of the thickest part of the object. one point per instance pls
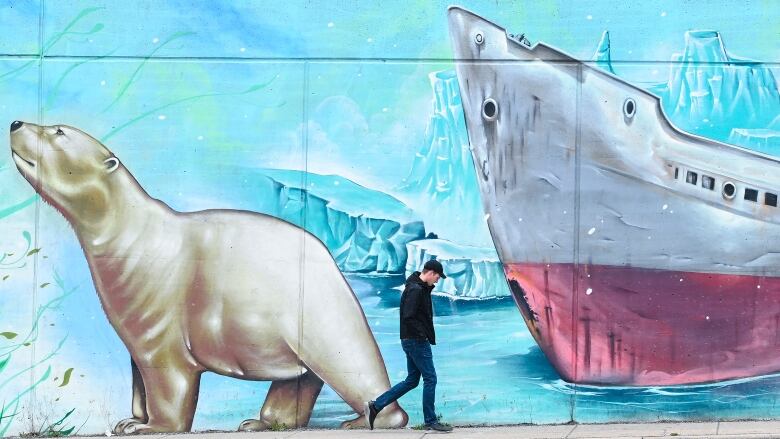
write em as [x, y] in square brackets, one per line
[626, 271]
[646, 327]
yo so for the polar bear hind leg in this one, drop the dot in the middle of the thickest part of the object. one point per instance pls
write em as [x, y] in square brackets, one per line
[288, 404]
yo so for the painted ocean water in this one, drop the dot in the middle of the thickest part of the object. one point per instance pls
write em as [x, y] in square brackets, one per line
[490, 371]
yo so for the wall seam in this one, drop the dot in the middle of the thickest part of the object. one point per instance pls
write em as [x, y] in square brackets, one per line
[36, 225]
[295, 60]
[576, 256]
[302, 264]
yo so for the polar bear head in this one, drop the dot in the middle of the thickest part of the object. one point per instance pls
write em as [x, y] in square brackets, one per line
[69, 168]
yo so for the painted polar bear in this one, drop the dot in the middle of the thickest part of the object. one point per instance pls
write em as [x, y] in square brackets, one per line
[237, 293]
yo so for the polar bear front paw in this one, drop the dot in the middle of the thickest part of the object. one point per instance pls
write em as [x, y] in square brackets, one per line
[123, 425]
[254, 425]
[354, 424]
[133, 426]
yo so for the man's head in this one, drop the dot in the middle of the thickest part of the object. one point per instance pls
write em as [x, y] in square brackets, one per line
[432, 272]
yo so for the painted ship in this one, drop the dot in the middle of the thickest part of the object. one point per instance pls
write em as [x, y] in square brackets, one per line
[637, 254]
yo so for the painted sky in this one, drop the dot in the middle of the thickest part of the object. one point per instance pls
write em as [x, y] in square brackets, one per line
[369, 66]
[646, 31]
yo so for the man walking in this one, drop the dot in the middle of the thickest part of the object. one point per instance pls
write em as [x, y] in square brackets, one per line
[417, 336]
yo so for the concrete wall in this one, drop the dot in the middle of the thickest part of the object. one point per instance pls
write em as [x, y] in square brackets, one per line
[600, 267]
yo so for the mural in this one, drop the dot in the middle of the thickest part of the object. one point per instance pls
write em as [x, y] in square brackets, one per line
[597, 181]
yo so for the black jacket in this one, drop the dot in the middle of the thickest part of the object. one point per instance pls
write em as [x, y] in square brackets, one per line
[417, 309]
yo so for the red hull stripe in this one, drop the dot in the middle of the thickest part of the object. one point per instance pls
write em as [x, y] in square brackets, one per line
[637, 326]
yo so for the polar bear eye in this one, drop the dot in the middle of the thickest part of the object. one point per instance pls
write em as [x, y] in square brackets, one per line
[60, 132]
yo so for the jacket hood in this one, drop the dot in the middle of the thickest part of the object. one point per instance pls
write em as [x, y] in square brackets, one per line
[414, 278]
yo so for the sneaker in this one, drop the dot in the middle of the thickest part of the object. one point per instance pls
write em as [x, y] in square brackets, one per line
[436, 426]
[369, 411]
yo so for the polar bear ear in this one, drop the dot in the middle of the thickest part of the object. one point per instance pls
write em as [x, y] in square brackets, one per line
[111, 164]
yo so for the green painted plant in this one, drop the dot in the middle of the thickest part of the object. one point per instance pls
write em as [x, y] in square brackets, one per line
[57, 428]
[14, 349]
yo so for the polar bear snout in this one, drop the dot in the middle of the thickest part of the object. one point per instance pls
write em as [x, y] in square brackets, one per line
[21, 153]
[20, 146]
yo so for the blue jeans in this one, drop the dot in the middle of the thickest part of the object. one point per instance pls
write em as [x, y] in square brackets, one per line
[419, 361]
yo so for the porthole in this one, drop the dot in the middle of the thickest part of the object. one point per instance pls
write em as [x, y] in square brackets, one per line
[629, 108]
[489, 110]
[479, 38]
[729, 190]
